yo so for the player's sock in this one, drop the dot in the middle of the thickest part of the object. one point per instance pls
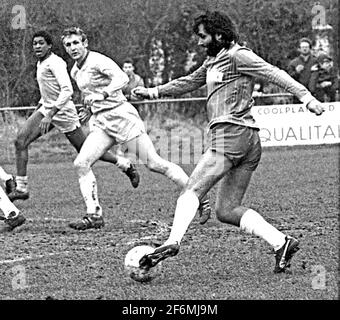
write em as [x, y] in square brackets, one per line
[253, 223]
[88, 188]
[177, 174]
[6, 205]
[4, 176]
[123, 163]
[22, 183]
[187, 205]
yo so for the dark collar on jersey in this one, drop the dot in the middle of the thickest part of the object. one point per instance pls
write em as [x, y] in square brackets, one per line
[80, 65]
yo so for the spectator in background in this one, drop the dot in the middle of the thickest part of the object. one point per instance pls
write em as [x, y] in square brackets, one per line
[302, 66]
[134, 79]
[324, 81]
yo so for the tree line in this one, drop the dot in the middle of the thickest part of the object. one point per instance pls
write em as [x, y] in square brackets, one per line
[157, 34]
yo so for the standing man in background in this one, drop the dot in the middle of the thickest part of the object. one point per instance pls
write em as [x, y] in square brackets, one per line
[324, 82]
[301, 67]
[135, 80]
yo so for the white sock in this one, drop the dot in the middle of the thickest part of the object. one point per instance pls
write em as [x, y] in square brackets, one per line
[22, 183]
[88, 188]
[6, 205]
[187, 205]
[253, 223]
[4, 176]
[177, 174]
[123, 163]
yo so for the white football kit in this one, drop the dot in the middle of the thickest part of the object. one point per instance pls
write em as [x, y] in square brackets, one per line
[56, 90]
[114, 115]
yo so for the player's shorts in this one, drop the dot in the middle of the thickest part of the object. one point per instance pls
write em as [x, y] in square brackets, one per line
[66, 120]
[240, 144]
[122, 123]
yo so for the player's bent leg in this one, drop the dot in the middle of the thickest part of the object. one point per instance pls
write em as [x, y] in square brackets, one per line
[230, 192]
[229, 210]
[94, 146]
[26, 135]
[77, 138]
[144, 149]
[123, 164]
[210, 169]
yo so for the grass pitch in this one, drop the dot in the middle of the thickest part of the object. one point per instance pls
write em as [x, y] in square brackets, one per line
[296, 189]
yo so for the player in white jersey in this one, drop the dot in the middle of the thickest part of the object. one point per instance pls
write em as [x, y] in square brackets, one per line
[12, 216]
[55, 110]
[115, 121]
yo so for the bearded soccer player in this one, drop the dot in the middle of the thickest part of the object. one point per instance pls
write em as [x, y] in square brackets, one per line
[234, 148]
[55, 110]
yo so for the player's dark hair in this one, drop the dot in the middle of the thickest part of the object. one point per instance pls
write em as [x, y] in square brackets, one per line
[217, 23]
[44, 34]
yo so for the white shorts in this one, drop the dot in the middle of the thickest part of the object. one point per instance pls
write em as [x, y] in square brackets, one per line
[122, 123]
[66, 120]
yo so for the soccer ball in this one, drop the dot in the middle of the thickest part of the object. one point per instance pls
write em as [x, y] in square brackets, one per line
[132, 264]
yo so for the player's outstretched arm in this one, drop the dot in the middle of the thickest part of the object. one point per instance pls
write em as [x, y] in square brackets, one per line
[251, 64]
[175, 87]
